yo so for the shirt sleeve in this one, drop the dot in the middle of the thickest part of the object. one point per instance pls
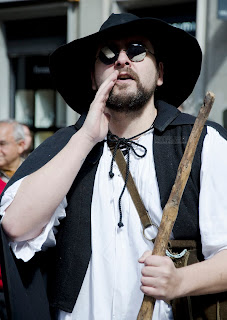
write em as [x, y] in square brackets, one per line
[25, 250]
[213, 198]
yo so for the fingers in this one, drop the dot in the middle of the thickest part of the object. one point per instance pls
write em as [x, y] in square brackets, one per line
[105, 88]
[144, 256]
[148, 259]
[156, 261]
[157, 276]
[96, 124]
[156, 266]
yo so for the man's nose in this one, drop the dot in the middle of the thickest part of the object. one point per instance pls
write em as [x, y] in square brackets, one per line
[123, 59]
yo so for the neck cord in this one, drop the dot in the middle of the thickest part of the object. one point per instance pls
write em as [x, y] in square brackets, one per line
[115, 143]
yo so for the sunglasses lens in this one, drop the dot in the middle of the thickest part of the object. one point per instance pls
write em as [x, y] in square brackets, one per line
[108, 55]
[136, 52]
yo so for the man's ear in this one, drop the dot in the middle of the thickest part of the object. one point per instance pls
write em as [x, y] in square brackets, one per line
[21, 146]
[160, 73]
[93, 82]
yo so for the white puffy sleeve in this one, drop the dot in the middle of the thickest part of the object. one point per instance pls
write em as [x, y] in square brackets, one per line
[213, 194]
[25, 250]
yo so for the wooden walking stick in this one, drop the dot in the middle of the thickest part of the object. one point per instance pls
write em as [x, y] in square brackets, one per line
[171, 208]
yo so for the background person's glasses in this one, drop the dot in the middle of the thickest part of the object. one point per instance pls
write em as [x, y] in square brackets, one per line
[135, 52]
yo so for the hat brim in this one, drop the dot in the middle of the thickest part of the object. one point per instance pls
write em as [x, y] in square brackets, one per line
[71, 64]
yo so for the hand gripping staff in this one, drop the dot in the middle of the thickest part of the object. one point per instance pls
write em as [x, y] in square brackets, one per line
[171, 208]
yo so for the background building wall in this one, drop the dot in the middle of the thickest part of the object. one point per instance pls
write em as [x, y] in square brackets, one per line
[216, 60]
[86, 16]
[4, 77]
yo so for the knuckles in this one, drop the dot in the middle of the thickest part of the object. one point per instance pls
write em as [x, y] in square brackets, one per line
[157, 277]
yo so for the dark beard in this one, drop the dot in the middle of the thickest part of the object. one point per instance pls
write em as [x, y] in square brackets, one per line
[130, 102]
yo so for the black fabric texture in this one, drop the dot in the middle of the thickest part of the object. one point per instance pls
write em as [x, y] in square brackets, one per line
[173, 140]
[24, 285]
[170, 139]
[74, 237]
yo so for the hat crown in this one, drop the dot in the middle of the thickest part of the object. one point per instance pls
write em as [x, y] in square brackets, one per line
[118, 19]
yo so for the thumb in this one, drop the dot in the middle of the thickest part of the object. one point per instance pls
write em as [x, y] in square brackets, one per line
[144, 256]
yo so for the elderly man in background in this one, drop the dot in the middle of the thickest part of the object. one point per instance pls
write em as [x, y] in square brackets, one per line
[12, 144]
[11, 148]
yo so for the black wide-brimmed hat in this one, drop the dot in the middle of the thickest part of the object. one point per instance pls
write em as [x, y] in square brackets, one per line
[71, 64]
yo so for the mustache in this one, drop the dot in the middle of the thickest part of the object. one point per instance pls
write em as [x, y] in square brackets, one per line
[131, 73]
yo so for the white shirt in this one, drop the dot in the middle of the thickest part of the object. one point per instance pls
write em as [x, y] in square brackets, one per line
[111, 288]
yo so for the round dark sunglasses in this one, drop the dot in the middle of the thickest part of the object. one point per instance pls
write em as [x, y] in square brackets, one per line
[135, 52]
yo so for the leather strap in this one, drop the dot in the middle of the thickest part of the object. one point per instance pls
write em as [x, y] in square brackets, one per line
[143, 214]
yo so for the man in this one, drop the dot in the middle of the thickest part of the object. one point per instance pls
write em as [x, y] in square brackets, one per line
[128, 74]
[11, 148]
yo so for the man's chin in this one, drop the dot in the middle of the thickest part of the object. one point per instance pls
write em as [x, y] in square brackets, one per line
[124, 87]
[122, 94]
[125, 83]
[123, 104]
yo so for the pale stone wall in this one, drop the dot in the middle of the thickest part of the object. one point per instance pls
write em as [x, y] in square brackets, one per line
[216, 61]
[4, 77]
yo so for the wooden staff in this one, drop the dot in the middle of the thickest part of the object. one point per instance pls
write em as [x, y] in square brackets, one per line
[172, 206]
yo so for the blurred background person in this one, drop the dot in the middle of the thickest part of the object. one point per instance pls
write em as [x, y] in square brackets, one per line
[12, 144]
[3, 315]
[28, 141]
[11, 148]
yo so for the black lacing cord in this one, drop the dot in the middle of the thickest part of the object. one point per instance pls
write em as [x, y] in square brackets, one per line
[128, 144]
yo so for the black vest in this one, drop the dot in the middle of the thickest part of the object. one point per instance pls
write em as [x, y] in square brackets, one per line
[70, 259]
[171, 132]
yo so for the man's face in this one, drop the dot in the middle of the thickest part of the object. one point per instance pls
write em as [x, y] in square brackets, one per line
[10, 150]
[136, 81]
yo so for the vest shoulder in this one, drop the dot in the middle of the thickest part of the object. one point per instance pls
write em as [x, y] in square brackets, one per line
[183, 119]
[187, 119]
